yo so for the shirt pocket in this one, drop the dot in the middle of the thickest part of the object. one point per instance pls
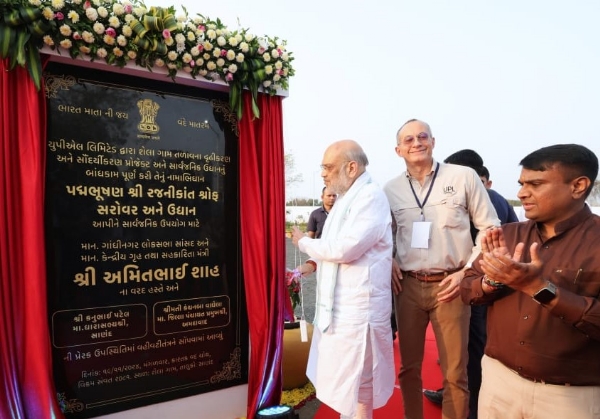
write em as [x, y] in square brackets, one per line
[452, 212]
[579, 281]
[404, 218]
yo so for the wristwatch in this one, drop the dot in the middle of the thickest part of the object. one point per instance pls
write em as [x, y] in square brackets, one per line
[546, 294]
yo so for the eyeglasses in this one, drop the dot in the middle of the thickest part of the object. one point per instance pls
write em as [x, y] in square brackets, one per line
[329, 167]
[409, 139]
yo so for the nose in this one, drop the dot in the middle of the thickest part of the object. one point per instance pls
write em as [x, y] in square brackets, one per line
[522, 193]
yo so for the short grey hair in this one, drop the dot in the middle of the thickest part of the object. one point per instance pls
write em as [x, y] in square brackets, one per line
[413, 120]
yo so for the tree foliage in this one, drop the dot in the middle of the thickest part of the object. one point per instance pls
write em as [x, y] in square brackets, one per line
[303, 202]
[291, 177]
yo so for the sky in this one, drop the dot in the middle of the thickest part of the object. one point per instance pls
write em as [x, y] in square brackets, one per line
[503, 78]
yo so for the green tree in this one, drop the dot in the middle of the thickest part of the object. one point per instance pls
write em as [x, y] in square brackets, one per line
[291, 177]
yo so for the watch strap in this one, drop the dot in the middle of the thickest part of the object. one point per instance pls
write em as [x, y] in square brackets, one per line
[546, 294]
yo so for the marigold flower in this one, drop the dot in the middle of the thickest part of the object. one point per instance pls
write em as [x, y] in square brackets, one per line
[65, 30]
[66, 43]
[73, 16]
[114, 21]
[48, 13]
[58, 4]
[48, 40]
[118, 9]
[91, 14]
[98, 28]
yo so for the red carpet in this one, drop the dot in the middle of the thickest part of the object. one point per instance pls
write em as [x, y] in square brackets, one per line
[432, 379]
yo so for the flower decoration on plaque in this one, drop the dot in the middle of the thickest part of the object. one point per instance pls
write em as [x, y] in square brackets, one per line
[120, 32]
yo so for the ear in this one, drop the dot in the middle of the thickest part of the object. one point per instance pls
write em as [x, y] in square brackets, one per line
[398, 151]
[579, 186]
[352, 168]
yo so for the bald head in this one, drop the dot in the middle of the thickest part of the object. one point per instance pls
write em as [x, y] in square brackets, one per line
[343, 162]
[348, 150]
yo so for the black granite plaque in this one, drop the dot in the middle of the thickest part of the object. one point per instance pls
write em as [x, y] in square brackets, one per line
[145, 290]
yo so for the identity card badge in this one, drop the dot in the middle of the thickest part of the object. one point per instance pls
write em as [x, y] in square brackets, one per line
[420, 235]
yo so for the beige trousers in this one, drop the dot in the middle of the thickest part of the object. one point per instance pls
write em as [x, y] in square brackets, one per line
[416, 306]
[506, 395]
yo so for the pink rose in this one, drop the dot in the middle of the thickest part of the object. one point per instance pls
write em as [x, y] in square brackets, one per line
[292, 277]
[87, 5]
[192, 63]
[59, 16]
[223, 53]
[200, 47]
[76, 36]
[166, 33]
[128, 8]
[229, 77]
[111, 32]
[261, 50]
[201, 28]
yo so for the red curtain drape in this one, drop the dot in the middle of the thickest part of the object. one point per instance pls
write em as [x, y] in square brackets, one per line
[26, 385]
[262, 199]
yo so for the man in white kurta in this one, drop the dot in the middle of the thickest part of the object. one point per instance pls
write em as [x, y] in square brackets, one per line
[351, 361]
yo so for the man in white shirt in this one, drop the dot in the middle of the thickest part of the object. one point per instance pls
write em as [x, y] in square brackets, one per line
[351, 361]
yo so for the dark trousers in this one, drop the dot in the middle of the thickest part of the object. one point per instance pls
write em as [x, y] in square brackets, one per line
[477, 339]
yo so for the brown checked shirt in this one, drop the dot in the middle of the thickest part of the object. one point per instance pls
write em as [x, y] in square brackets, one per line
[561, 345]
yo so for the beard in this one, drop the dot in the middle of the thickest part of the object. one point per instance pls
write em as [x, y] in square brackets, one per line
[343, 182]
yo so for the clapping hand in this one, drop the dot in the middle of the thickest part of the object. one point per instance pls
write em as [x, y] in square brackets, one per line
[500, 266]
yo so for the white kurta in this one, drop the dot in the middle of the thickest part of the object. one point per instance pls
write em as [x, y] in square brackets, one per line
[362, 301]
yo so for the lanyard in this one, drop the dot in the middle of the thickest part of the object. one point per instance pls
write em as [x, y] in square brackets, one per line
[428, 192]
